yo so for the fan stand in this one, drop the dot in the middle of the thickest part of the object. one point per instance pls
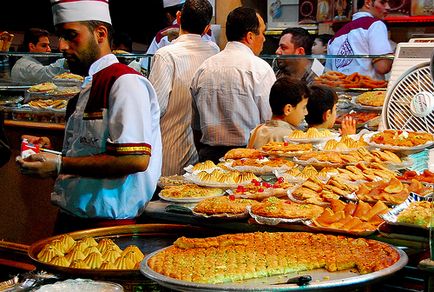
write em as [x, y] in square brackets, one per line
[427, 266]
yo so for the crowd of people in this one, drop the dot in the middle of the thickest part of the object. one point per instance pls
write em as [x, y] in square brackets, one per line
[124, 131]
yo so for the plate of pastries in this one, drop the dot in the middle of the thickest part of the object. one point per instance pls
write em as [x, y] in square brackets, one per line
[312, 135]
[257, 261]
[400, 140]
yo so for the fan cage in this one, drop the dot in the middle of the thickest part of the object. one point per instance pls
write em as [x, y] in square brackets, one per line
[396, 110]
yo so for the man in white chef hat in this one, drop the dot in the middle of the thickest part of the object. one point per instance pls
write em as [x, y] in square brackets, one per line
[165, 36]
[111, 157]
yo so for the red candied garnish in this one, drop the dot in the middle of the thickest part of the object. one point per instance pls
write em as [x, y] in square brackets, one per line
[428, 173]
[232, 197]
[280, 179]
[266, 184]
[261, 190]
[285, 143]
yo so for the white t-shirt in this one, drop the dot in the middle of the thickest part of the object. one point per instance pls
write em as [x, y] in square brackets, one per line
[365, 35]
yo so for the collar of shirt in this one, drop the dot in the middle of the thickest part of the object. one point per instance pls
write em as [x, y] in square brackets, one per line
[98, 65]
[361, 14]
[187, 37]
[280, 124]
[238, 46]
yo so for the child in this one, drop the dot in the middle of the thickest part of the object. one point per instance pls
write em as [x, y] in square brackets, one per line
[320, 43]
[322, 110]
[288, 100]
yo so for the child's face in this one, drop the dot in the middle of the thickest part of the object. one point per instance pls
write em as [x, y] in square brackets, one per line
[296, 114]
[331, 119]
[318, 48]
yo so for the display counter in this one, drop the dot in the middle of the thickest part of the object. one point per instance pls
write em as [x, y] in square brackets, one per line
[31, 197]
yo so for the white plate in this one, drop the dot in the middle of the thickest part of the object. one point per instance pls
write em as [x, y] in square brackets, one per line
[365, 107]
[310, 140]
[189, 199]
[407, 150]
[194, 179]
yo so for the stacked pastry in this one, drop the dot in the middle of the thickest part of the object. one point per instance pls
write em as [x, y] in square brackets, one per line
[87, 253]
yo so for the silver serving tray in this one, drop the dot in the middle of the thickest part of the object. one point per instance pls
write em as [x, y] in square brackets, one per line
[321, 279]
[148, 237]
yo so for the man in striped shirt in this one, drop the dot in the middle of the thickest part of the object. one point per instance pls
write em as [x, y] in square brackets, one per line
[171, 75]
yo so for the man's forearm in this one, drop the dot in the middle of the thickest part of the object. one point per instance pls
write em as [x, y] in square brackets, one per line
[104, 166]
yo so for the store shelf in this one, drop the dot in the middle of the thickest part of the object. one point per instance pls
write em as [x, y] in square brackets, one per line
[409, 19]
[37, 125]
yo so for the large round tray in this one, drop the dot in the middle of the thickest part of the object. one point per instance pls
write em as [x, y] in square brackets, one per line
[148, 237]
[321, 279]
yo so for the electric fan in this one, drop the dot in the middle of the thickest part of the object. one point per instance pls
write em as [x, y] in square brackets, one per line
[409, 101]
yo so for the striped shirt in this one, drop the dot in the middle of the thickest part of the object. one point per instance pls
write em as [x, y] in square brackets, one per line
[231, 96]
[171, 75]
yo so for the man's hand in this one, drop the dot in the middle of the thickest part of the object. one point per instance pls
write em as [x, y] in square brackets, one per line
[43, 142]
[41, 164]
[171, 33]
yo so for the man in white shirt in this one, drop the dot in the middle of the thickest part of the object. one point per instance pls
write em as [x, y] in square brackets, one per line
[171, 75]
[366, 34]
[231, 89]
[29, 70]
[111, 156]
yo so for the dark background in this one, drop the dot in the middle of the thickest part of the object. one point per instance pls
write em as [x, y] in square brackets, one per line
[141, 19]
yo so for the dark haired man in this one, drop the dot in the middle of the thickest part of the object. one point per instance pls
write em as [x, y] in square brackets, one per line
[366, 34]
[171, 74]
[29, 70]
[230, 90]
[106, 173]
[295, 41]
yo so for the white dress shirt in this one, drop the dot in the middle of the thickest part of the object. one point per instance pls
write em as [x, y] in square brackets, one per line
[231, 95]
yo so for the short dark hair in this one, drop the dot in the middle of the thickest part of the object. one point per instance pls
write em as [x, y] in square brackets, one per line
[173, 9]
[322, 98]
[324, 38]
[196, 15]
[286, 90]
[240, 21]
[92, 24]
[360, 3]
[122, 38]
[300, 38]
[32, 36]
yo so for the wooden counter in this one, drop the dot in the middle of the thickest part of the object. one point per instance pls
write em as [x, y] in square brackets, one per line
[27, 213]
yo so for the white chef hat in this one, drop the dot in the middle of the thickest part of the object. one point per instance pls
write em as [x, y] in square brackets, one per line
[80, 10]
[170, 3]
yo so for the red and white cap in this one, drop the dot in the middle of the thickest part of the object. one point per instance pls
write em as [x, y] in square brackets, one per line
[80, 10]
[170, 3]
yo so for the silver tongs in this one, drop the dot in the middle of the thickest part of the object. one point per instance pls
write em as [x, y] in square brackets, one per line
[299, 280]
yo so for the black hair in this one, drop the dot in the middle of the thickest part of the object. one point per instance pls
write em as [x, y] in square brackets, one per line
[122, 38]
[324, 38]
[196, 15]
[32, 36]
[173, 9]
[286, 90]
[92, 24]
[360, 3]
[240, 21]
[322, 98]
[300, 38]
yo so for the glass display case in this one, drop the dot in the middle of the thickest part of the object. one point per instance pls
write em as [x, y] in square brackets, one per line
[20, 103]
[28, 101]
